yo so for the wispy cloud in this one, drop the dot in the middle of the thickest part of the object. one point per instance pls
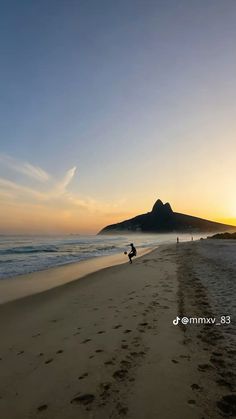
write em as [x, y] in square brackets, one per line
[25, 168]
[67, 179]
[53, 198]
[15, 190]
[51, 191]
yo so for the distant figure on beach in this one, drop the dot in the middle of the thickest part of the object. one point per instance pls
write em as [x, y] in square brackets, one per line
[132, 253]
[177, 240]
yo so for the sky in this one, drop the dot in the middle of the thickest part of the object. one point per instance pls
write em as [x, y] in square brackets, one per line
[108, 105]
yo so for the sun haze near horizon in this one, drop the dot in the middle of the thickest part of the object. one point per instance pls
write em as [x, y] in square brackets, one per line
[107, 106]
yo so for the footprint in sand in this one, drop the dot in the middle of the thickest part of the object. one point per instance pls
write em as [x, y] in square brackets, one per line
[99, 350]
[49, 361]
[81, 377]
[127, 331]
[42, 407]
[20, 352]
[104, 392]
[185, 357]
[125, 363]
[195, 387]
[122, 410]
[217, 361]
[217, 353]
[35, 336]
[84, 399]
[120, 374]
[231, 352]
[227, 405]
[224, 383]
[60, 351]
[100, 332]
[205, 367]
[110, 362]
[117, 326]
[105, 386]
[86, 340]
[229, 375]
[137, 354]
[191, 401]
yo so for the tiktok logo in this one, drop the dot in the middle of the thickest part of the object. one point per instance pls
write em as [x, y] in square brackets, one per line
[176, 321]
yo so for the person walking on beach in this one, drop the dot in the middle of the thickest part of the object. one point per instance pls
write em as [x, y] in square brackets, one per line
[132, 253]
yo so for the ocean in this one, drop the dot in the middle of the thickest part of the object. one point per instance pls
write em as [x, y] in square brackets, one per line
[25, 254]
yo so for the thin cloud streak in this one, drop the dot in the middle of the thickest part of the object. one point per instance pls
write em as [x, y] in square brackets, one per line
[25, 168]
[56, 194]
[51, 204]
[67, 179]
[18, 190]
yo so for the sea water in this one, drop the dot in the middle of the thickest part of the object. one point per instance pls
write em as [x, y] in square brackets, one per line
[25, 254]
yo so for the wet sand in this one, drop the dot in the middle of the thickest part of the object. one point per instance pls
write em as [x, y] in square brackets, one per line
[105, 346]
[33, 283]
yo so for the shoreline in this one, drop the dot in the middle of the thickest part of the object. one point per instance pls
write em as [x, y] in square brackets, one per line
[105, 346]
[24, 285]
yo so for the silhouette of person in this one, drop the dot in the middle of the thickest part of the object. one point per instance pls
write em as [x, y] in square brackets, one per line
[177, 240]
[132, 253]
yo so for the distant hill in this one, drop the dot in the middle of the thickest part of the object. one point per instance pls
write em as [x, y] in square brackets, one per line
[224, 236]
[163, 220]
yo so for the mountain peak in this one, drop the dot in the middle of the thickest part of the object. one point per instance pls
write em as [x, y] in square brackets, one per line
[168, 207]
[159, 206]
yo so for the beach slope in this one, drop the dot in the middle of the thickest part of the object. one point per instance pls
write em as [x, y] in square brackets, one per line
[105, 346]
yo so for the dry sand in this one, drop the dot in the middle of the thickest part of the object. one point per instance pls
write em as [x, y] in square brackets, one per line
[105, 346]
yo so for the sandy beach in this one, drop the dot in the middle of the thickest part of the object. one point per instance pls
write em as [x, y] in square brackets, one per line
[105, 346]
[35, 282]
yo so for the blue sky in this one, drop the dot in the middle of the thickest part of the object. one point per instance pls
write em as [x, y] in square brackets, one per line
[138, 95]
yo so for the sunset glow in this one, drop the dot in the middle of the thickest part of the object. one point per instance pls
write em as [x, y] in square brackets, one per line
[95, 128]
